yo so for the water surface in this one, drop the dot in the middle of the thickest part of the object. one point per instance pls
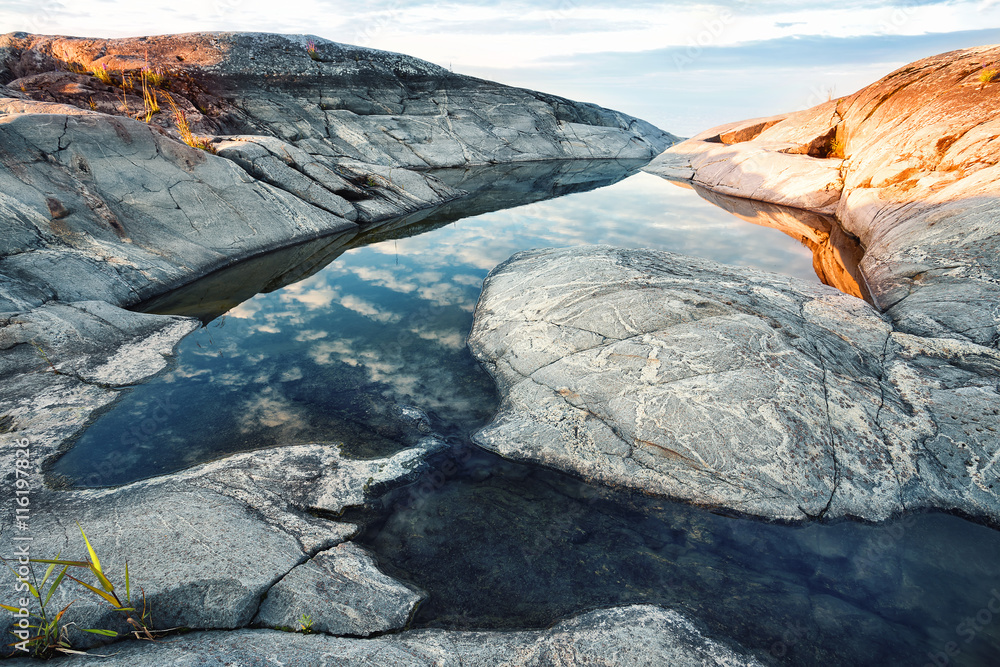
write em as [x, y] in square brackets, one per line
[502, 545]
[350, 330]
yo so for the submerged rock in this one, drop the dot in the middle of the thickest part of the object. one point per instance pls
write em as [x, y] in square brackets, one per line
[731, 387]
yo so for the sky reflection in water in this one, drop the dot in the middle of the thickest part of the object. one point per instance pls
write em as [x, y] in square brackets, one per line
[335, 356]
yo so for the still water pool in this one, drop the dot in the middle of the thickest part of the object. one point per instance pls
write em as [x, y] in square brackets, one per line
[383, 324]
[338, 339]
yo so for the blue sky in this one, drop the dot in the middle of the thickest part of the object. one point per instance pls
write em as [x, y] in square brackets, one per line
[682, 65]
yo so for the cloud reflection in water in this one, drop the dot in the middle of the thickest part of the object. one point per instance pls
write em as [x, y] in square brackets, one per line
[332, 357]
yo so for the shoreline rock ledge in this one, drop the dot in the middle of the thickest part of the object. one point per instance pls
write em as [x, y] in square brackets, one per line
[759, 393]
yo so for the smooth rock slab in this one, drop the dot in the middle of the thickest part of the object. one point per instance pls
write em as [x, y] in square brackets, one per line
[207, 543]
[617, 637]
[728, 387]
[343, 592]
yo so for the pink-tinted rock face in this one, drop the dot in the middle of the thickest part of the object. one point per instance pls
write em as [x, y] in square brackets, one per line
[915, 156]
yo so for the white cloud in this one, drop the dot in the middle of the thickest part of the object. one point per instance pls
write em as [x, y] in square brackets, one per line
[245, 310]
[449, 339]
[272, 411]
[291, 375]
[368, 309]
[383, 278]
[507, 35]
[184, 372]
[328, 352]
[314, 298]
[307, 335]
[468, 280]
[446, 294]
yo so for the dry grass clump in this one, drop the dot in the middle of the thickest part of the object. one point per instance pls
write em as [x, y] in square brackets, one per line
[989, 75]
[184, 129]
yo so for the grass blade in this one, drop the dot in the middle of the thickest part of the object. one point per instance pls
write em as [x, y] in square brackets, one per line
[28, 641]
[60, 614]
[93, 554]
[112, 600]
[106, 633]
[13, 610]
[55, 584]
[108, 586]
[48, 573]
[71, 563]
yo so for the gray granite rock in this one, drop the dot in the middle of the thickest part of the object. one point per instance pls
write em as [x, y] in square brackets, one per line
[337, 100]
[145, 213]
[907, 166]
[207, 544]
[342, 592]
[731, 387]
[61, 362]
[619, 637]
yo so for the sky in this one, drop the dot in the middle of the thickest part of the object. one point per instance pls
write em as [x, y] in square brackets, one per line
[684, 66]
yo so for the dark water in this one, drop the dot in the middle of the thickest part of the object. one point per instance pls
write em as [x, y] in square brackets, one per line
[339, 339]
[502, 545]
